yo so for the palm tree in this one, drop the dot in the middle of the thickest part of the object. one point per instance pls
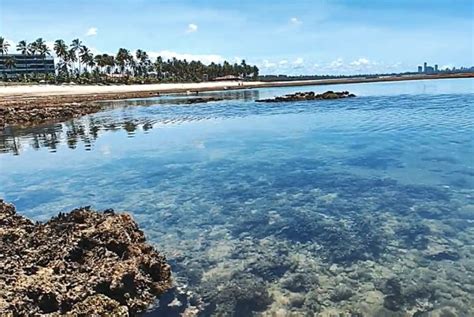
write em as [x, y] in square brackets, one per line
[10, 62]
[4, 45]
[60, 48]
[122, 59]
[38, 46]
[72, 58]
[43, 51]
[159, 67]
[255, 72]
[85, 55]
[32, 48]
[75, 46]
[100, 61]
[22, 47]
[110, 62]
[143, 62]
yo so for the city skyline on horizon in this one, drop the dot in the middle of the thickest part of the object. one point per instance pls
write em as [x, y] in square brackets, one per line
[340, 37]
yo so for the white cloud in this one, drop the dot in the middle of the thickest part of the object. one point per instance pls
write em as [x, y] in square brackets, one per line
[360, 62]
[204, 58]
[192, 28]
[450, 66]
[298, 63]
[91, 31]
[283, 62]
[267, 64]
[359, 65]
[336, 64]
[295, 21]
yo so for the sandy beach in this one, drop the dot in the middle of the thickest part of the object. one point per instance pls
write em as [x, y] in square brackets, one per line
[17, 91]
[56, 90]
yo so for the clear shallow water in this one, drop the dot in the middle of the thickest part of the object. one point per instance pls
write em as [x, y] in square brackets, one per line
[357, 205]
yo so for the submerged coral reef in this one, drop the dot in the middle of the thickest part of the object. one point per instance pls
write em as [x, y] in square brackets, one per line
[352, 247]
[83, 262]
[310, 95]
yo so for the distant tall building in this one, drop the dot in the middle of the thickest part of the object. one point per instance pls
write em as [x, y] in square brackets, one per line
[26, 64]
[426, 69]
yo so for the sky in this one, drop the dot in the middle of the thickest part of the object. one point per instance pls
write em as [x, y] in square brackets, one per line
[281, 37]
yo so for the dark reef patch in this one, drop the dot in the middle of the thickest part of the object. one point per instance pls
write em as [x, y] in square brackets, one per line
[242, 295]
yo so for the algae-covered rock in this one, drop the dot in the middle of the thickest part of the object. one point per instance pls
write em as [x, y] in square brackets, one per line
[310, 95]
[242, 295]
[83, 261]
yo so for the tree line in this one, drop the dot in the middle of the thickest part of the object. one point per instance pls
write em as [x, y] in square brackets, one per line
[76, 62]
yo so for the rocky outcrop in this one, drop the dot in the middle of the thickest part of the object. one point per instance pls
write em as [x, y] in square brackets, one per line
[82, 262]
[36, 110]
[201, 100]
[34, 114]
[27, 110]
[310, 95]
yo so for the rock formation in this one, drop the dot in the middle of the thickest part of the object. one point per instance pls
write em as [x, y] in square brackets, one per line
[309, 95]
[82, 262]
[201, 100]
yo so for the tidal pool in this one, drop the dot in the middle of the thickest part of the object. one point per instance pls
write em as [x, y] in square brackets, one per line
[358, 207]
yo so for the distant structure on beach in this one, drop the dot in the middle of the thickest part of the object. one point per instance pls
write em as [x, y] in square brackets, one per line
[426, 69]
[14, 65]
[227, 78]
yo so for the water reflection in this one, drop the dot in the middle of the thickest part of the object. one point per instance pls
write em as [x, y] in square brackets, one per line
[123, 115]
[180, 99]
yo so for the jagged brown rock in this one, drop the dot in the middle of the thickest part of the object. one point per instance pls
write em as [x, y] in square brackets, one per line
[201, 100]
[82, 262]
[310, 95]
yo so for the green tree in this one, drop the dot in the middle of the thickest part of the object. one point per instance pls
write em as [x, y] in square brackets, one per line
[61, 50]
[255, 71]
[143, 62]
[72, 58]
[158, 66]
[10, 62]
[86, 57]
[4, 45]
[123, 59]
[75, 47]
[22, 47]
[43, 51]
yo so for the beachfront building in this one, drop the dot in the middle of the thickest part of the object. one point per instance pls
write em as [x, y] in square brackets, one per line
[227, 78]
[15, 65]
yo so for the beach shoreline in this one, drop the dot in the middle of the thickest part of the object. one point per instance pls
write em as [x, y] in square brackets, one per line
[36, 104]
[164, 88]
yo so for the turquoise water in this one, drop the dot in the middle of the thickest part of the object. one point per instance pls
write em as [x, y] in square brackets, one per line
[355, 206]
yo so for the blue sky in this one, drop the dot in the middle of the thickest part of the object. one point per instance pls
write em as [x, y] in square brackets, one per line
[291, 37]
